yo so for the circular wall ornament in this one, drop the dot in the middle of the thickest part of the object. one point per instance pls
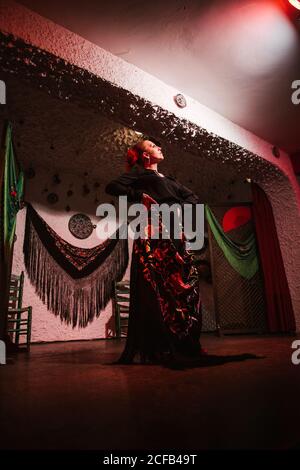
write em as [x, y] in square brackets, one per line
[180, 100]
[80, 225]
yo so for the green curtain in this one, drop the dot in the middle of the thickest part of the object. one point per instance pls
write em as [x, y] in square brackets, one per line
[11, 195]
[13, 183]
[241, 256]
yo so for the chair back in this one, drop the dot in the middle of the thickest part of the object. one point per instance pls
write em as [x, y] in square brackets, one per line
[121, 303]
[122, 292]
[16, 291]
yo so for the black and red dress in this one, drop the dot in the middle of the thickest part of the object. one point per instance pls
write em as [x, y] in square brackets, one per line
[165, 306]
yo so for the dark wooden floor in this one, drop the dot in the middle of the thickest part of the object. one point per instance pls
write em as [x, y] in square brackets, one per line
[70, 396]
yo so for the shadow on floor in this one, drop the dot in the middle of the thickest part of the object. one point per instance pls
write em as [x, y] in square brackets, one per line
[188, 363]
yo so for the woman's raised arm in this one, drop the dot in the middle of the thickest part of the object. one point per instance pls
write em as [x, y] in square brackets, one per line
[186, 194]
[124, 186]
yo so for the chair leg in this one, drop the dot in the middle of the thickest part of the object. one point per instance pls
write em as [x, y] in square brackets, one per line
[18, 328]
[29, 327]
[117, 322]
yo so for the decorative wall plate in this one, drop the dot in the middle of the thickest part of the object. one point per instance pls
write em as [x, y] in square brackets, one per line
[180, 100]
[80, 225]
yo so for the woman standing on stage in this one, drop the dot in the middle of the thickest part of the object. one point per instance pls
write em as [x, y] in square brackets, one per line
[165, 307]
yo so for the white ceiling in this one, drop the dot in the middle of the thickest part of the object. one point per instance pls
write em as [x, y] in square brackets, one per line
[238, 57]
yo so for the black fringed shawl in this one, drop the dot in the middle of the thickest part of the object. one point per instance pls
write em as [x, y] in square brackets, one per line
[75, 283]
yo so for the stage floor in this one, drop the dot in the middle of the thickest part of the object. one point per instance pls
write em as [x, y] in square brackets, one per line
[70, 396]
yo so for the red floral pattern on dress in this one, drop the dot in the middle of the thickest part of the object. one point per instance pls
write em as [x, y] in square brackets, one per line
[173, 275]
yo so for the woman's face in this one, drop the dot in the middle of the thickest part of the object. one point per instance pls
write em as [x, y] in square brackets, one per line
[152, 151]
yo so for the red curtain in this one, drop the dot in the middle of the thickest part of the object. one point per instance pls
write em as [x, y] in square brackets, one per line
[280, 314]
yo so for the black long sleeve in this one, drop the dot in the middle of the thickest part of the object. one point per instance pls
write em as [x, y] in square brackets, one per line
[162, 189]
[187, 195]
[125, 186]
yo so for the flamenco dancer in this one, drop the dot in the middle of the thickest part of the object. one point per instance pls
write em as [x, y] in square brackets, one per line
[165, 308]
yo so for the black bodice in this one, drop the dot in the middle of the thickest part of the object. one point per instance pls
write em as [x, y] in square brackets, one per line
[163, 189]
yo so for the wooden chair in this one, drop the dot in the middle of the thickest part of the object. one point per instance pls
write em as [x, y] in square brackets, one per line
[17, 325]
[121, 301]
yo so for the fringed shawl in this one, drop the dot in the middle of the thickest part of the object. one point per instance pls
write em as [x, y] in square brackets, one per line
[75, 283]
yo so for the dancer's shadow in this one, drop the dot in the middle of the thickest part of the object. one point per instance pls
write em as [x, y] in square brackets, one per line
[181, 363]
[208, 361]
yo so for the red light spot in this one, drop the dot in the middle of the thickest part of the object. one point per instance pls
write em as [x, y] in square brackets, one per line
[235, 217]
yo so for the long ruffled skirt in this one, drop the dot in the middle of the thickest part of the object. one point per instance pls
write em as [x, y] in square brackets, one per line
[165, 306]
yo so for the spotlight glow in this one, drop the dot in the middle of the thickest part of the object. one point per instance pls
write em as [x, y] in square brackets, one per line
[262, 39]
[295, 3]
